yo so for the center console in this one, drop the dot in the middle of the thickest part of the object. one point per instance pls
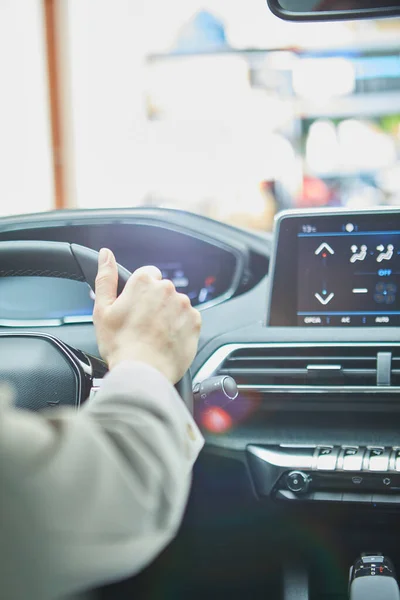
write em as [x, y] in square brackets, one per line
[367, 475]
[319, 382]
[316, 424]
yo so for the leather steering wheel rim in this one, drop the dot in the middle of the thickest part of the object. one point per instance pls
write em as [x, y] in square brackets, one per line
[66, 261]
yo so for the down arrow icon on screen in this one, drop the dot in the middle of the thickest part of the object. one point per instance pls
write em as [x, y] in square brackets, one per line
[326, 300]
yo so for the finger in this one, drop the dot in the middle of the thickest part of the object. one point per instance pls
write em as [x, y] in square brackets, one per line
[143, 275]
[138, 282]
[197, 319]
[184, 301]
[149, 270]
[106, 280]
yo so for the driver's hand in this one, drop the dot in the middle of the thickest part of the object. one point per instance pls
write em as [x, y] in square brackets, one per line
[149, 322]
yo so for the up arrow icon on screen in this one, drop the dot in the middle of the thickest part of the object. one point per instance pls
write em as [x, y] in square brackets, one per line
[324, 246]
[326, 300]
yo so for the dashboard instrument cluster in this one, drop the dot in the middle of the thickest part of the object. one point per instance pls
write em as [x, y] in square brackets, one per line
[208, 271]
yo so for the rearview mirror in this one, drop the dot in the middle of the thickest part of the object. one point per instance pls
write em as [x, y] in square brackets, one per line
[331, 10]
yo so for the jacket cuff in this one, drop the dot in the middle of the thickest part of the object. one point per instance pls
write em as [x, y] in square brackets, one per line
[137, 384]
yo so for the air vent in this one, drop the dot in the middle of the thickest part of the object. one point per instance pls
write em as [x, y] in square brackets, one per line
[395, 378]
[327, 366]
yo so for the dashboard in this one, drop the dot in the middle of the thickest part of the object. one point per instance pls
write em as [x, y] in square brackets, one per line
[208, 270]
[318, 392]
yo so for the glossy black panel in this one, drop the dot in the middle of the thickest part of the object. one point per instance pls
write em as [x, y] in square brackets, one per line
[39, 371]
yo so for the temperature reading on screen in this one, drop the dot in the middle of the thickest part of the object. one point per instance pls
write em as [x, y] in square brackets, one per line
[308, 229]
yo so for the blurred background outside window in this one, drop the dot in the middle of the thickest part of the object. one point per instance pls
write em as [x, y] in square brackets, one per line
[215, 107]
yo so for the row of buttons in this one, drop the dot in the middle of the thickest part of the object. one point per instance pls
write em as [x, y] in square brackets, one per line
[355, 458]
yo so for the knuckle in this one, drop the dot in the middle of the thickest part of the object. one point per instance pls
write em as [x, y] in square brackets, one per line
[197, 319]
[141, 277]
[168, 287]
[184, 301]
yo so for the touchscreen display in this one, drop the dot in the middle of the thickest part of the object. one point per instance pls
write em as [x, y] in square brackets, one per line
[337, 270]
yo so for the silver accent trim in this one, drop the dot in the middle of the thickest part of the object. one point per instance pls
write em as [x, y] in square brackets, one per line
[324, 367]
[299, 446]
[392, 459]
[353, 463]
[326, 462]
[73, 320]
[214, 362]
[343, 389]
[96, 385]
[310, 458]
[46, 322]
[396, 464]
[280, 459]
[299, 212]
[30, 322]
[380, 463]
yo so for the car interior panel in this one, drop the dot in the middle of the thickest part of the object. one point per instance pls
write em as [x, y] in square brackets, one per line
[296, 382]
[301, 468]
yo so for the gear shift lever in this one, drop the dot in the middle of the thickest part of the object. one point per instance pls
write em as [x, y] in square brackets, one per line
[372, 577]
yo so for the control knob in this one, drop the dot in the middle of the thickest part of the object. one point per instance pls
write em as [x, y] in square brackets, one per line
[298, 482]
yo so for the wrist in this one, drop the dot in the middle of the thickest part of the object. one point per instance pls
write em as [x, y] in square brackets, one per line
[142, 356]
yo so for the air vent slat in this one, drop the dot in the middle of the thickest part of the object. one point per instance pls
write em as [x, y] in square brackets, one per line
[303, 366]
[396, 370]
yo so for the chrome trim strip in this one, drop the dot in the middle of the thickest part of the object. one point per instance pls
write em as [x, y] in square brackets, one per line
[96, 385]
[337, 461]
[214, 362]
[324, 367]
[30, 322]
[392, 459]
[280, 459]
[80, 319]
[298, 446]
[307, 389]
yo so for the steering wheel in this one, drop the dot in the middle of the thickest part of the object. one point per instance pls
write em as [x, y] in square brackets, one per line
[43, 369]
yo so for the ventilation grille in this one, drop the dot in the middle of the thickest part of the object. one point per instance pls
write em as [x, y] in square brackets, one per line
[320, 366]
[395, 376]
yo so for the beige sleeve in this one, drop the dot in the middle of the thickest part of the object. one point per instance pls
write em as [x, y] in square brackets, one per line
[93, 496]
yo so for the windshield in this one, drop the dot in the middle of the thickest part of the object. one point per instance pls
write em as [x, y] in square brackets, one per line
[217, 107]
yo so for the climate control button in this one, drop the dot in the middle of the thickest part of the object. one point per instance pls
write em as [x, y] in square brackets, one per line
[378, 459]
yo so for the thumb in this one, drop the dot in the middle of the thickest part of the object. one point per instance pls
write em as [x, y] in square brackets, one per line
[106, 280]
